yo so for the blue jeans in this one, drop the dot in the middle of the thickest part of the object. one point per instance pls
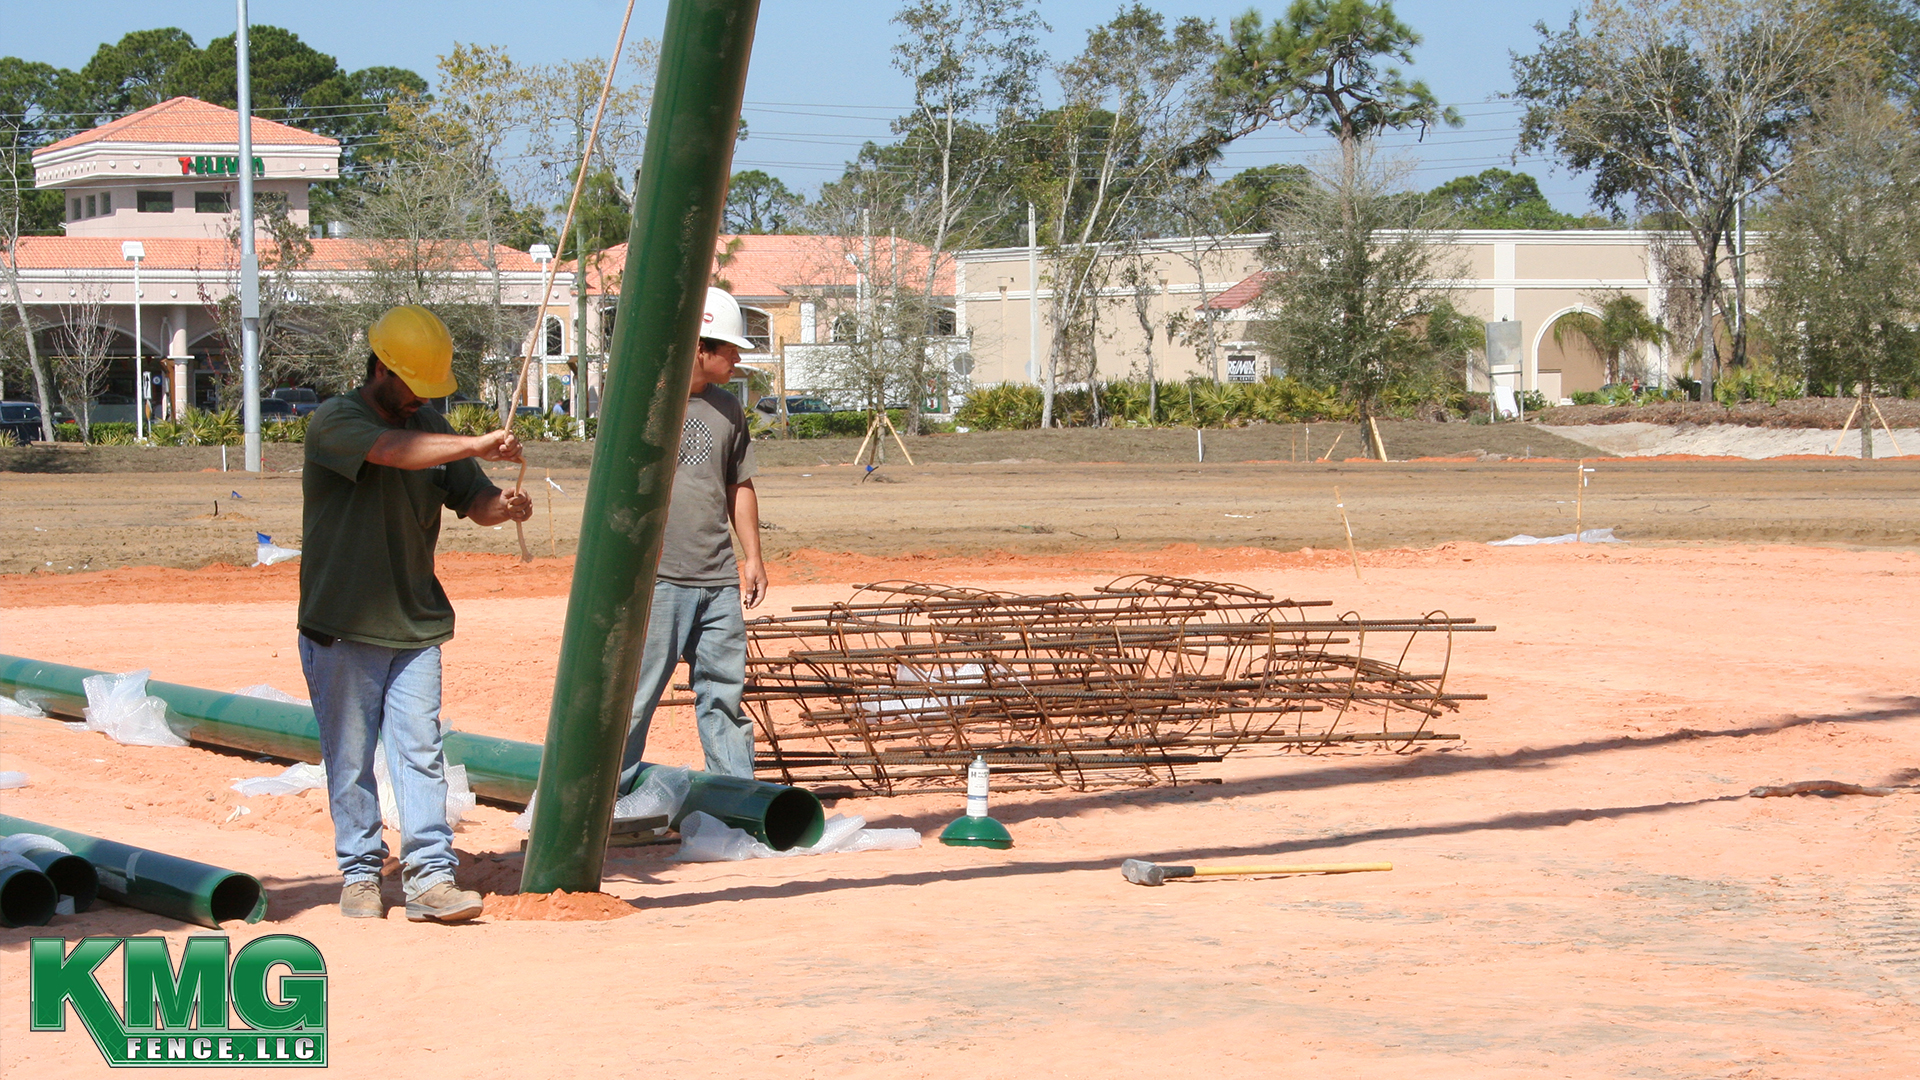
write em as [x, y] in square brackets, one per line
[363, 693]
[704, 626]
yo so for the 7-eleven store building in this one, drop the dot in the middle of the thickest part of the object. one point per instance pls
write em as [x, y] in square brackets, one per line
[163, 184]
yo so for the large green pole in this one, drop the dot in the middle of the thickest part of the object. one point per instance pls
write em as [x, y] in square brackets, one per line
[676, 220]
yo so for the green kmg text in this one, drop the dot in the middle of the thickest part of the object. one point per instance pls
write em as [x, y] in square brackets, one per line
[181, 1017]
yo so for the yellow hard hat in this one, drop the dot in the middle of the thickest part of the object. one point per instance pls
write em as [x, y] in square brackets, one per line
[415, 345]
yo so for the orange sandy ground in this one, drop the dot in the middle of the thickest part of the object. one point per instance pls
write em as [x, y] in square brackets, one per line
[1582, 887]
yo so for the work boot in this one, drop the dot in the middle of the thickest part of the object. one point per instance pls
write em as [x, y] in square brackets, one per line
[361, 900]
[445, 902]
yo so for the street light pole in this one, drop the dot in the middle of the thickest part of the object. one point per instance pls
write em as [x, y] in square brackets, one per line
[249, 261]
[133, 251]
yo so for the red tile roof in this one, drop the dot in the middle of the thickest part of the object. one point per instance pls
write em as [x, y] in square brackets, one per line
[189, 120]
[775, 266]
[103, 253]
[1240, 295]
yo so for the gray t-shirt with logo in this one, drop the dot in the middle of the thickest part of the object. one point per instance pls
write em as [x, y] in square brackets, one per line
[716, 452]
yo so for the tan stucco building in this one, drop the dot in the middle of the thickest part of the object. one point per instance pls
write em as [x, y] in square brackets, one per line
[1531, 277]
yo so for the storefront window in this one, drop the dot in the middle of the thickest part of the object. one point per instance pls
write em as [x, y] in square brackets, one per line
[154, 202]
[210, 202]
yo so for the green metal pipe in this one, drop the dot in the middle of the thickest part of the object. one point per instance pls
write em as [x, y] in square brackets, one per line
[154, 881]
[676, 220]
[71, 875]
[502, 769]
[27, 897]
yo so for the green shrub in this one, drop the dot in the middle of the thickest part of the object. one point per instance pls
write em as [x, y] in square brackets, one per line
[473, 419]
[1757, 381]
[166, 433]
[1533, 401]
[113, 433]
[1586, 397]
[66, 433]
[1003, 407]
[215, 428]
[847, 424]
[561, 428]
[286, 431]
[591, 427]
[530, 428]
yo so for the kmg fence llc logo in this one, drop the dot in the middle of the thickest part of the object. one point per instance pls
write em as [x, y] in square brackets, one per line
[276, 985]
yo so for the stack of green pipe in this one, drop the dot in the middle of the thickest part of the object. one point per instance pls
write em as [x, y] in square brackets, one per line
[502, 769]
[155, 881]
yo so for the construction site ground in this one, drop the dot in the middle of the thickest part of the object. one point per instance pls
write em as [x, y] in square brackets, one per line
[1582, 886]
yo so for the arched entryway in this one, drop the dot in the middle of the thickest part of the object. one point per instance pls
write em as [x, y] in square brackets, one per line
[1570, 365]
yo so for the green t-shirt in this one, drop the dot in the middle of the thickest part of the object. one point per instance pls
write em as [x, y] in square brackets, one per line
[366, 561]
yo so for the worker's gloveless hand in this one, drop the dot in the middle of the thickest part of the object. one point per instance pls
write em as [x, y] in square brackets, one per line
[498, 446]
[519, 504]
[753, 582]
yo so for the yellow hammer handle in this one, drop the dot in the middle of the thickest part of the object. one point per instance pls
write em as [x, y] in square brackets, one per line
[1305, 868]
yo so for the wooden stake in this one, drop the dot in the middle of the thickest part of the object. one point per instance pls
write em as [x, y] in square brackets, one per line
[1579, 494]
[1336, 442]
[1351, 553]
[872, 426]
[1844, 427]
[553, 540]
[897, 440]
[1888, 428]
[1379, 444]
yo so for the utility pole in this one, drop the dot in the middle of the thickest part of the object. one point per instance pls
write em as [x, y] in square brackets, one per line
[133, 251]
[1033, 298]
[577, 399]
[249, 260]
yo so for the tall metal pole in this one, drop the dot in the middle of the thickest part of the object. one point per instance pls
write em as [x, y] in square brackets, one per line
[676, 222]
[249, 261]
[139, 376]
[1033, 298]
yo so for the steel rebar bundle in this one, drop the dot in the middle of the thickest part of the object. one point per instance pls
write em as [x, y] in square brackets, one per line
[905, 683]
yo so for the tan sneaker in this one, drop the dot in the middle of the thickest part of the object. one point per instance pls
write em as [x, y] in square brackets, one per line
[361, 900]
[445, 902]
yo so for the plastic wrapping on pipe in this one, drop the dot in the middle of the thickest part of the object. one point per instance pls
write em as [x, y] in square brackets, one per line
[192, 892]
[505, 770]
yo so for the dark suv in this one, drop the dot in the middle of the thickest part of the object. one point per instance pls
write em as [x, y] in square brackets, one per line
[19, 422]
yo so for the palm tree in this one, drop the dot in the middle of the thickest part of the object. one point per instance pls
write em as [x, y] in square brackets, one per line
[1623, 323]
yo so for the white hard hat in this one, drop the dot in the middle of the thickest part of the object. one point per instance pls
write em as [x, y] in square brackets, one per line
[722, 320]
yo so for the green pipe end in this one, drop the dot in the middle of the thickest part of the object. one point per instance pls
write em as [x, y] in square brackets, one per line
[27, 897]
[71, 876]
[237, 896]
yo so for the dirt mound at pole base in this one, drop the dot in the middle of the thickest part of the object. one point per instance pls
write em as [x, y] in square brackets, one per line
[558, 906]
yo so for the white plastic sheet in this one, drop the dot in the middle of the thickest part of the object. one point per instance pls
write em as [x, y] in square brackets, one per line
[21, 843]
[270, 693]
[269, 552]
[120, 706]
[662, 791]
[291, 781]
[10, 707]
[705, 838]
[12, 780]
[1587, 536]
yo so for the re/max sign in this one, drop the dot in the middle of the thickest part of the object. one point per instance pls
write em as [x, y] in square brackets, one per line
[216, 165]
[180, 1017]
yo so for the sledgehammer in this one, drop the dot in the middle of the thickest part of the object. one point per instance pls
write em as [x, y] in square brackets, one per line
[1142, 872]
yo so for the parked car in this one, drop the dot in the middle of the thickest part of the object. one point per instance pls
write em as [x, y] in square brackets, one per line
[19, 422]
[275, 410]
[795, 404]
[301, 398]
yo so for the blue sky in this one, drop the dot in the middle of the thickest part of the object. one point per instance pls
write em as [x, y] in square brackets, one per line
[821, 80]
